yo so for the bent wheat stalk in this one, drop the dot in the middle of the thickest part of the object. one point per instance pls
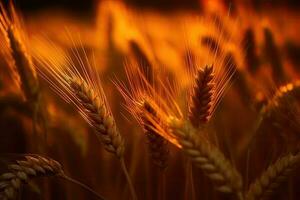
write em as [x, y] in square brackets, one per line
[264, 186]
[102, 121]
[207, 157]
[33, 166]
[77, 82]
[98, 116]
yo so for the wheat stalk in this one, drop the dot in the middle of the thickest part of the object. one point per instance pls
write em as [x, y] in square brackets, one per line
[77, 82]
[101, 119]
[158, 146]
[33, 166]
[208, 86]
[207, 157]
[98, 116]
[202, 96]
[264, 186]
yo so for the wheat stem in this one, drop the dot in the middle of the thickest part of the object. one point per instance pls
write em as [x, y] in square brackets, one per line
[189, 181]
[130, 185]
[162, 185]
[63, 176]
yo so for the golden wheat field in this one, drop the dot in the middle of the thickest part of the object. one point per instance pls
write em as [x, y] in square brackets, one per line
[149, 100]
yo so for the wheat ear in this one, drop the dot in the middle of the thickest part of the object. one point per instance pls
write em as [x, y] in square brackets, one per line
[17, 55]
[33, 166]
[158, 146]
[281, 98]
[264, 186]
[202, 96]
[98, 116]
[207, 157]
[24, 65]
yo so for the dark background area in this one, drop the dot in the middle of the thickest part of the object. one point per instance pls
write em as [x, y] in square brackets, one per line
[83, 7]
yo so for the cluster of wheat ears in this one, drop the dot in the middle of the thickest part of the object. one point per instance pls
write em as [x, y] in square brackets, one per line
[153, 102]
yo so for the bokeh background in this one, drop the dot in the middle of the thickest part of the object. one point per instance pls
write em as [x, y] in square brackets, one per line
[259, 38]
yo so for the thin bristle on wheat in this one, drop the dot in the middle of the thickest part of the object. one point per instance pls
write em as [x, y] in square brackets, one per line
[270, 180]
[98, 116]
[23, 171]
[202, 97]
[158, 146]
[207, 157]
[77, 82]
[160, 96]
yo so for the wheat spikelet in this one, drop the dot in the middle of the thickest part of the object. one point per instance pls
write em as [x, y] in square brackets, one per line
[98, 116]
[207, 157]
[158, 146]
[23, 171]
[16, 54]
[264, 186]
[201, 97]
